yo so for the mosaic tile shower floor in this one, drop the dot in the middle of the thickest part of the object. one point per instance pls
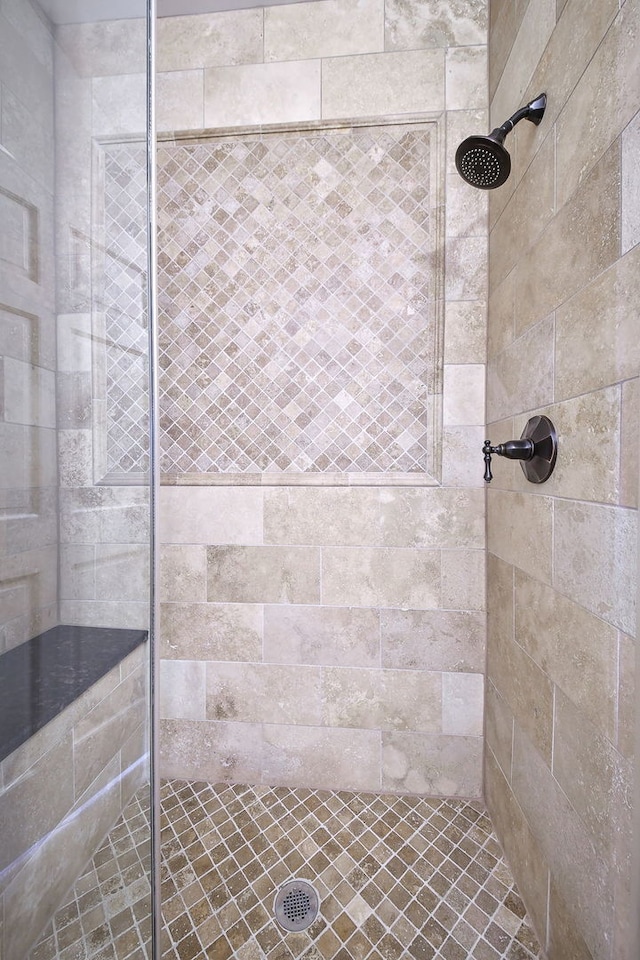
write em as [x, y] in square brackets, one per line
[398, 877]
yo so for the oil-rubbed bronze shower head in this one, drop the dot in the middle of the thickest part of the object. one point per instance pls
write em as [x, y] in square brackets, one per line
[484, 162]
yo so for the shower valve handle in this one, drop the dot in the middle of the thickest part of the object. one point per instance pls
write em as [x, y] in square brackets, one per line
[512, 450]
[536, 450]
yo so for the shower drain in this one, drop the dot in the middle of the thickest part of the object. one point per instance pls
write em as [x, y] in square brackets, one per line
[296, 905]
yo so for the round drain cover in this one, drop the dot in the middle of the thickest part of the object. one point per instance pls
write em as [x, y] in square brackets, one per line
[296, 905]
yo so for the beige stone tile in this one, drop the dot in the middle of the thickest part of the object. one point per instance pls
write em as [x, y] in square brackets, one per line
[595, 559]
[466, 274]
[529, 41]
[183, 572]
[75, 458]
[465, 331]
[630, 431]
[122, 571]
[585, 232]
[412, 24]
[466, 77]
[498, 729]
[463, 399]
[601, 105]
[565, 942]
[596, 331]
[36, 802]
[566, 846]
[432, 517]
[73, 400]
[332, 759]
[338, 636]
[512, 386]
[209, 40]
[98, 734]
[593, 775]
[264, 693]
[330, 28]
[104, 48]
[433, 640]
[74, 338]
[463, 579]
[626, 696]
[211, 631]
[588, 447]
[262, 93]
[388, 577]
[630, 184]
[431, 764]
[182, 690]
[501, 316]
[462, 704]
[180, 100]
[210, 515]
[525, 688]
[204, 750]
[504, 22]
[316, 515]
[466, 208]
[382, 699]
[77, 571]
[519, 530]
[462, 463]
[522, 849]
[383, 83]
[263, 574]
[521, 221]
[119, 104]
[576, 650]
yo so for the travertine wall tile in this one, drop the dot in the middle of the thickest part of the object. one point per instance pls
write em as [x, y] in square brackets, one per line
[119, 105]
[330, 28]
[626, 739]
[329, 756]
[513, 387]
[465, 332]
[498, 729]
[558, 634]
[600, 106]
[183, 572]
[461, 446]
[564, 938]
[263, 574]
[463, 579]
[378, 84]
[462, 704]
[432, 640]
[463, 394]
[105, 48]
[629, 453]
[596, 333]
[180, 100]
[410, 24]
[432, 517]
[211, 515]
[529, 42]
[278, 694]
[262, 93]
[183, 689]
[382, 699]
[331, 636]
[210, 631]
[519, 531]
[209, 40]
[205, 750]
[331, 516]
[466, 77]
[388, 577]
[433, 765]
[630, 184]
[595, 559]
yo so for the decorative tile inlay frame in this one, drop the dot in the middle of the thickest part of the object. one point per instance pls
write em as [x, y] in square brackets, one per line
[300, 301]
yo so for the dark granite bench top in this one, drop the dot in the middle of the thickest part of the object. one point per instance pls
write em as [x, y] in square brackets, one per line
[41, 677]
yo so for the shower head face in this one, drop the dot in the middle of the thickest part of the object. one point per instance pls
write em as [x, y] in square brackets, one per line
[483, 162]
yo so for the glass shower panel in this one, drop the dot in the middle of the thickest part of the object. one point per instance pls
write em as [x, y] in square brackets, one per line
[76, 593]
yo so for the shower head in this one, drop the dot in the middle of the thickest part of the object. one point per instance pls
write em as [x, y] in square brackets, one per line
[484, 162]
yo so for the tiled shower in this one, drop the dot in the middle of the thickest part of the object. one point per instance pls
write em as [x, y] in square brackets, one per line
[370, 673]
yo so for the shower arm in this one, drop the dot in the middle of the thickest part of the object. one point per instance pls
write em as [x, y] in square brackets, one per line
[533, 111]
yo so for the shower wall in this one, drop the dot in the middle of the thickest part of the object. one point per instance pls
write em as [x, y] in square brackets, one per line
[28, 531]
[329, 634]
[563, 277]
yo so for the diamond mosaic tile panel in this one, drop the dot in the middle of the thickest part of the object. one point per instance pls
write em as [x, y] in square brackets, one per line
[124, 297]
[397, 877]
[298, 294]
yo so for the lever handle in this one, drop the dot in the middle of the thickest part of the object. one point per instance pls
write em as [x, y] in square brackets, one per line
[487, 449]
[522, 449]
